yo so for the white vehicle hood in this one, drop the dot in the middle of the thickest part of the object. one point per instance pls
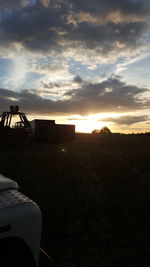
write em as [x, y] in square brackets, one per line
[6, 183]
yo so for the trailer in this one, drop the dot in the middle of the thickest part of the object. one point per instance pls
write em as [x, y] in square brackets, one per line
[48, 130]
[43, 130]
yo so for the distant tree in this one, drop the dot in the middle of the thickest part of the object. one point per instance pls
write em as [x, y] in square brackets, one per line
[105, 130]
[95, 132]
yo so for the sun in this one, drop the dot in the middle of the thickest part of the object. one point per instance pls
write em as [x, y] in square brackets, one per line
[87, 124]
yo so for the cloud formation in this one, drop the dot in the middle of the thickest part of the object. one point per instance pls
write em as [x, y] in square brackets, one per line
[126, 120]
[111, 95]
[13, 4]
[49, 85]
[54, 25]
[77, 79]
[125, 7]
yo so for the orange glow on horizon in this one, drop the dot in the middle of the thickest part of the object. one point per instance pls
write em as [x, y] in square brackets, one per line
[83, 124]
[86, 124]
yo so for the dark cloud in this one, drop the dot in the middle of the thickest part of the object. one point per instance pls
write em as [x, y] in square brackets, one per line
[33, 26]
[110, 95]
[7, 4]
[110, 36]
[41, 27]
[133, 7]
[127, 120]
[49, 85]
[77, 79]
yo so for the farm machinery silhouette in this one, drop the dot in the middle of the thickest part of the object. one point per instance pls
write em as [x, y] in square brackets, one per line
[12, 132]
[15, 129]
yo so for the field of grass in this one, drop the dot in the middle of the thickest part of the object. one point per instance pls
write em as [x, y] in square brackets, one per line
[94, 194]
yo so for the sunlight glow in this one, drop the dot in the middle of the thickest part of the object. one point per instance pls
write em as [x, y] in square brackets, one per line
[91, 122]
[19, 72]
[87, 126]
[20, 68]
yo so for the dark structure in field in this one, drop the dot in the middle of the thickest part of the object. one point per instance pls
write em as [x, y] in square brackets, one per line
[65, 131]
[43, 129]
[47, 130]
[20, 132]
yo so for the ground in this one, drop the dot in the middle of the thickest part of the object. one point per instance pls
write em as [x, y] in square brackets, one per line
[94, 193]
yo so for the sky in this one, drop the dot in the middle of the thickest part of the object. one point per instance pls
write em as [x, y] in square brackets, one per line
[79, 62]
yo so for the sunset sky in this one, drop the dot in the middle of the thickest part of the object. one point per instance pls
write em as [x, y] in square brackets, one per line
[82, 62]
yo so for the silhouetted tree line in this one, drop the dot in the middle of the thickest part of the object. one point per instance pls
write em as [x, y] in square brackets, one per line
[106, 131]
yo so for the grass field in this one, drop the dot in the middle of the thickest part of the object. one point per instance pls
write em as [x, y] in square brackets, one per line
[94, 194]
